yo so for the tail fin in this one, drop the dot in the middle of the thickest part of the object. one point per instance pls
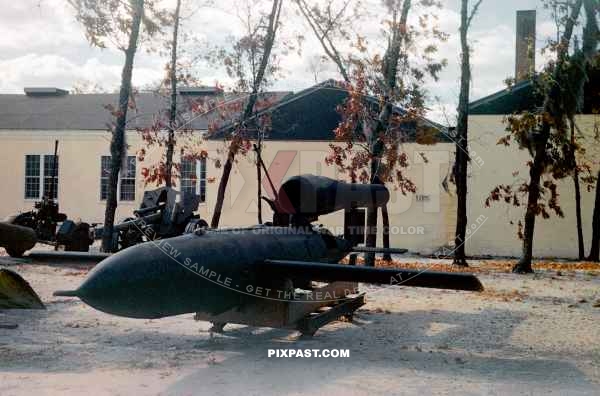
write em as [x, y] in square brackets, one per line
[16, 293]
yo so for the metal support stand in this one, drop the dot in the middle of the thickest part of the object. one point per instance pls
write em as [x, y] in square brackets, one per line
[303, 313]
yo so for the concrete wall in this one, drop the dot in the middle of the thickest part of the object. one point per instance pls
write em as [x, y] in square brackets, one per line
[493, 165]
[420, 225]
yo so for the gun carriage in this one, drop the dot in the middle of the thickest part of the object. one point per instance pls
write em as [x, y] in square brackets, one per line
[44, 220]
[162, 214]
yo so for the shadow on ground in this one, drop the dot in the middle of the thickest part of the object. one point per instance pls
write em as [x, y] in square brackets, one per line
[408, 347]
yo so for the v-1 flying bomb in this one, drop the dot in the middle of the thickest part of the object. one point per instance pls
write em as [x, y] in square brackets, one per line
[252, 275]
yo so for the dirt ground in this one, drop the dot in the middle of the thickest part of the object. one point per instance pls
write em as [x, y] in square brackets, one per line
[531, 335]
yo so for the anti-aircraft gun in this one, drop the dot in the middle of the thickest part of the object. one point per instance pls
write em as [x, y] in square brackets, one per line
[265, 275]
[161, 215]
[44, 220]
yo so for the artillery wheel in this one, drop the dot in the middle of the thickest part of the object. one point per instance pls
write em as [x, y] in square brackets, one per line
[80, 240]
[14, 252]
[194, 225]
[304, 334]
[130, 236]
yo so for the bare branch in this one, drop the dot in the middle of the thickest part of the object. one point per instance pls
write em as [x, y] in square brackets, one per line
[323, 35]
[473, 12]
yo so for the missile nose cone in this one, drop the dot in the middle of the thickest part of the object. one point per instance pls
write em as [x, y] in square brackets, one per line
[156, 279]
[124, 282]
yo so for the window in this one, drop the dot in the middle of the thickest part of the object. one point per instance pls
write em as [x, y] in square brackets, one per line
[50, 180]
[104, 172]
[193, 177]
[202, 169]
[188, 177]
[39, 176]
[32, 176]
[126, 184]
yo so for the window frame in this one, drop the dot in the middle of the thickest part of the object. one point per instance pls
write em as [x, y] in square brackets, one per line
[41, 177]
[121, 178]
[199, 181]
[50, 177]
[128, 177]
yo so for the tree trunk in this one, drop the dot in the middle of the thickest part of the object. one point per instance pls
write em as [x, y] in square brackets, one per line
[539, 161]
[386, 232]
[371, 234]
[259, 179]
[173, 109]
[595, 248]
[258, 80]
[462, 149]
[371, 239]
[523, 266]
[118, 136]
[590, 44]
[580, 241]
[461, 212]
[377, 147]
[222, 187]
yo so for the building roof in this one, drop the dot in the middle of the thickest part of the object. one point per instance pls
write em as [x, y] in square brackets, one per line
[524, 96]
[312, 114]
[47, 111]
[517, 98]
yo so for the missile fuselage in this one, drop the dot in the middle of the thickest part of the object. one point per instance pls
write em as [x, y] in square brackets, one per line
[208, 271]
[214, 271]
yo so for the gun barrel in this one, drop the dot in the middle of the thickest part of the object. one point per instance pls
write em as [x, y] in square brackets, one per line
[150, 209]
[139, 222]
[150, 219]
[337, 272]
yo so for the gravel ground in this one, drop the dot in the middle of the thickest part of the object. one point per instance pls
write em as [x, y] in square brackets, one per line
[532, 335]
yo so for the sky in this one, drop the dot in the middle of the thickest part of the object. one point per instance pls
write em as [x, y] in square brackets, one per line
[41, 44]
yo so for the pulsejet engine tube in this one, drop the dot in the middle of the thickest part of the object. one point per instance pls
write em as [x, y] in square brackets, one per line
[312, 196]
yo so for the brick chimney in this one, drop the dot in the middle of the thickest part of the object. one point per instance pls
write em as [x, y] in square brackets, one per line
[525, 52]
